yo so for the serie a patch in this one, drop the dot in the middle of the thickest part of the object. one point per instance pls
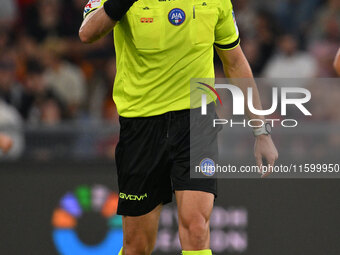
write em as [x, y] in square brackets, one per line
[92, 4]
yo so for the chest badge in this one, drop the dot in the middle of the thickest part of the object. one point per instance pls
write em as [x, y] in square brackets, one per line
[146, 20]
[176, 16]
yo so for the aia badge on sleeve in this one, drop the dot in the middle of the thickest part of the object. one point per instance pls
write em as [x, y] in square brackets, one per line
[176, 16]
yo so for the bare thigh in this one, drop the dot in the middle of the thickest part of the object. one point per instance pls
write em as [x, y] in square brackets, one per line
[140, 232]
[194, 210]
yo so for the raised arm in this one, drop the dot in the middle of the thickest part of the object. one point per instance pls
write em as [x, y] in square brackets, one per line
[95, 26]
[100, 17]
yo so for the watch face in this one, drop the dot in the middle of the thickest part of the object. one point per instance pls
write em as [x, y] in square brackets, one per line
[268, 128]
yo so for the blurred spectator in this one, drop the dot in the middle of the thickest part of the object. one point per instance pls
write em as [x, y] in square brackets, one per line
[4, 34]
[8, 12]
[289, 62]
[73, 16]
[65, 79]
[10, 88]
[11, 125]
[327, 23]
[37, 94]
[324, 52]
[50, 112]
[295, 16]
[49, 76]
[45, 19]
[101, 105]
[246, 16]
[260, 47]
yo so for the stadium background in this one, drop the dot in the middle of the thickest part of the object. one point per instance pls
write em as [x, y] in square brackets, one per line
[55, 101]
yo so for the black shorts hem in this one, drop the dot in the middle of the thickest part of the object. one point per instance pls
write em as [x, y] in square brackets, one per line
[197, 188]
[142, 211]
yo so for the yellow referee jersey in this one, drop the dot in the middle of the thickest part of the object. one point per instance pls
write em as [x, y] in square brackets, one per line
[162, 44]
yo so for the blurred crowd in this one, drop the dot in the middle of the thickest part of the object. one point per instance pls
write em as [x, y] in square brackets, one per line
[47, 76]
[46, 73]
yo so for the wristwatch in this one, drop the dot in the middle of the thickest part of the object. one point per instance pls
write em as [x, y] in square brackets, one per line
[266, 129]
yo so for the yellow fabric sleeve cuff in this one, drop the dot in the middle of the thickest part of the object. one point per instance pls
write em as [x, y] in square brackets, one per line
[229, 46]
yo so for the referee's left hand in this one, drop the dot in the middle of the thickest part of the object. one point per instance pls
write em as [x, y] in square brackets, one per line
[265, 149]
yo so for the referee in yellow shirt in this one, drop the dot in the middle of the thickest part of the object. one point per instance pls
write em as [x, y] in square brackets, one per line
[160, 45]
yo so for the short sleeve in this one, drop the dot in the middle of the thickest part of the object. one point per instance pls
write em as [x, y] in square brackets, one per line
[226, 31]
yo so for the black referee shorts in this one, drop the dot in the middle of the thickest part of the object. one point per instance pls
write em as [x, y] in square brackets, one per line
[153, 160]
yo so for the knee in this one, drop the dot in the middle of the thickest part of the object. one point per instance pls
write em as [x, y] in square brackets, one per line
[137, 245]
[196, 228]
[198, 233]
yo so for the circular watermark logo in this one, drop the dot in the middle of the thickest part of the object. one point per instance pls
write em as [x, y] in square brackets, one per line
[207, 167]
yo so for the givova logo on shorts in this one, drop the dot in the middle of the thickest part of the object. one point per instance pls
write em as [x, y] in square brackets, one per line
[132, 197]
